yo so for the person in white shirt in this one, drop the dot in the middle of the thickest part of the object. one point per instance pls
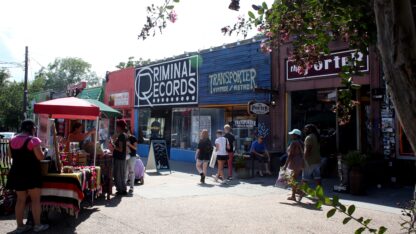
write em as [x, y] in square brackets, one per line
[221, 144]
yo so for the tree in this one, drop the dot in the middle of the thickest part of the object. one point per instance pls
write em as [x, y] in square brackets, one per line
[4, 75]
[310, 25]
[133, 63]
[65, 71]
[11, 102]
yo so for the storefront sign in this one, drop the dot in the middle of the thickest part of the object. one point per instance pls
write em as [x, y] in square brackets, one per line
[233, 81]
[173, 82]
[119, 99]
[328, 66]
[244, 123]
[258, 108]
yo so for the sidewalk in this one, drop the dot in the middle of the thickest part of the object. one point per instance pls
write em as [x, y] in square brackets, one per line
[386, 198]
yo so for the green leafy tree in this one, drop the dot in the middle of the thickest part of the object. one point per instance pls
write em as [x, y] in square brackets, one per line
[4, 75]
[11, 102]
[133, 63]
[65, 71]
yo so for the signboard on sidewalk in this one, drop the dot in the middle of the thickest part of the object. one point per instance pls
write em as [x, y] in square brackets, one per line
[158, 156]
[173, 82]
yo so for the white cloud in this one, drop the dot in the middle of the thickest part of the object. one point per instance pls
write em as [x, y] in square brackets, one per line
[104, 33]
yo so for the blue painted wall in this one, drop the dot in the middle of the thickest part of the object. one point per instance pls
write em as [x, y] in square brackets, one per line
[240, 57]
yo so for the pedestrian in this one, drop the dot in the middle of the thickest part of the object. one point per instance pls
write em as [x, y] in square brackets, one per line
[258, 150]
[221, 144]
[231, 140]
[25, 175]
[295, 160]
[103, 134]
[131, 162]
[203, 154]
[119, 148]
[312, 155]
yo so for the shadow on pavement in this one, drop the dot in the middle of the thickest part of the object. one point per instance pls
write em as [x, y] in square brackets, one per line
[309, 206]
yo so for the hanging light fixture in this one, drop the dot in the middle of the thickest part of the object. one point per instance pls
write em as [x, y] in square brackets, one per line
[234, 5]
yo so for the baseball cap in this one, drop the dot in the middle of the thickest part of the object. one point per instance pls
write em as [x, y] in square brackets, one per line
[295, 132]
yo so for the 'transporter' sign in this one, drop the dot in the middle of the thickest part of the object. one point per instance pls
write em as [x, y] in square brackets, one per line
[329, 65]
[173, 82]
[231, 81]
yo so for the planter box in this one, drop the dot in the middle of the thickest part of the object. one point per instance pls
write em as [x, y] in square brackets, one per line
[242, 173]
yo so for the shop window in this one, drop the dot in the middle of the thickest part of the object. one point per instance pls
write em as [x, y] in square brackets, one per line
[405, 148]
[181, 128]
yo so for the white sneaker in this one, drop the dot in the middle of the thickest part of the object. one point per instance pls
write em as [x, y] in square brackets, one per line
[40, 227]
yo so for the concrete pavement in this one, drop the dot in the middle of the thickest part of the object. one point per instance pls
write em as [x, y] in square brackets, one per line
[177, 203]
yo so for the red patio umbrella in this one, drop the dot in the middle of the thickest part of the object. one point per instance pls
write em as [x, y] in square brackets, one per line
[68, 108]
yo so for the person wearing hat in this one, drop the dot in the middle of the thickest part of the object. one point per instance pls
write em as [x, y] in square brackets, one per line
[295, 159]
[119, 148]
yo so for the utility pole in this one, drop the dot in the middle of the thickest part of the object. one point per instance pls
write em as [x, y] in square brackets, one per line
[25, 84]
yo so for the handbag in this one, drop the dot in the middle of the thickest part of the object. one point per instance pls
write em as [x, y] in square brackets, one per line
[213, 159]
[283, 178]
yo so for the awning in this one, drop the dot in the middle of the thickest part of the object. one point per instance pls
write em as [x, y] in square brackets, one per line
[95, 93]
[104, 109]
[68, 108]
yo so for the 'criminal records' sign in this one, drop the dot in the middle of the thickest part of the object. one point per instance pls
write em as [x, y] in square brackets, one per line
[173, 82]
[232, 81]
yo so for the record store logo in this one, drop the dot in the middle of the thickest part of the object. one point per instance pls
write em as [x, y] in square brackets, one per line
[169, 83]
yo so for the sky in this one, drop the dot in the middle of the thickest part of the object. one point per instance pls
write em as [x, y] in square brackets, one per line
[104, 32]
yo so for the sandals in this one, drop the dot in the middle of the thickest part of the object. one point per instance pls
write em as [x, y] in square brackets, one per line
[291, 198]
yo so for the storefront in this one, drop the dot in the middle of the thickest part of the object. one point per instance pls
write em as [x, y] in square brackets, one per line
[119, 94]
[177, 98]
[310, 97]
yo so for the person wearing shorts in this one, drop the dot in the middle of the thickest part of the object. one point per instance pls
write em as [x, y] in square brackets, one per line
[231, 140]
[221, 144]
[203, 154]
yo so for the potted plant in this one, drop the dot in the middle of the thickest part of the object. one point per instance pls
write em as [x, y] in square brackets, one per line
[241, 168]
[355, 162]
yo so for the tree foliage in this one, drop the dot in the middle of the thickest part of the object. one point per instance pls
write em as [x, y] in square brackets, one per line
[131, 62]
[65, 71]
[11, 102]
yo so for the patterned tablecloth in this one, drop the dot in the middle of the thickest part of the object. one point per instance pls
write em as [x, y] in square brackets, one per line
[66, 190]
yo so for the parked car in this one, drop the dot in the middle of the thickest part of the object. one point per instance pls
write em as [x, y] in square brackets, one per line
[7, 135]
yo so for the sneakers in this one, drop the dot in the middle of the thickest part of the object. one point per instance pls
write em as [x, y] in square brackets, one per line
[230, 178]
[131, 190]
[22, 229]
[40, 227]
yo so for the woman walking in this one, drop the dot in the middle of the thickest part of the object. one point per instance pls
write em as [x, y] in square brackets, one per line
[221, 144]
[25, 175]
[203, 154]
[295, 160]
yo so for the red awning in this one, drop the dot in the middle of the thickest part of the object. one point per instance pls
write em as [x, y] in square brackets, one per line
[68, 108]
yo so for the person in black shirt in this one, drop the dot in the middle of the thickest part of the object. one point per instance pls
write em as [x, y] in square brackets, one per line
[131, 162]
[203, 154]
[119, 148]
[231, 140]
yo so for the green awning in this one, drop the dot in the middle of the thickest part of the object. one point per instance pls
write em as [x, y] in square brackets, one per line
[104, 109]
[95, 93]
